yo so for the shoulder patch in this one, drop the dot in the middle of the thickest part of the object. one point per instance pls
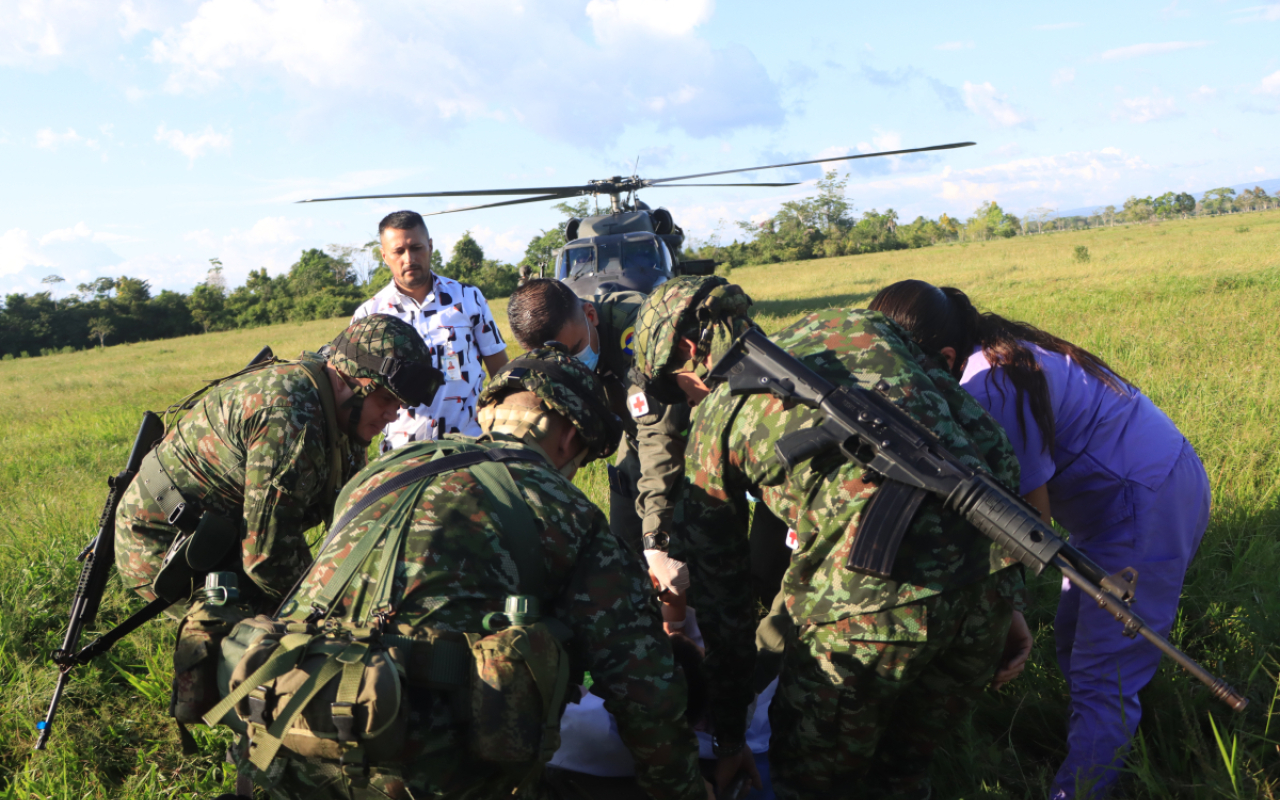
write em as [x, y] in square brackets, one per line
[638, 404]
[628, 342]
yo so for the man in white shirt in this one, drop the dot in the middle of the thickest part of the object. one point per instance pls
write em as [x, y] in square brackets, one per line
[454, 321]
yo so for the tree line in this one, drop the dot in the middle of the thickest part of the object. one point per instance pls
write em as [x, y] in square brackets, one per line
[825, 225]
[322, 284]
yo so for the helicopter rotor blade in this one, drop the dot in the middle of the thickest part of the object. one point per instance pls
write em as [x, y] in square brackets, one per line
[550, 191]
[655, 181]
[682, 185]
[495, 205]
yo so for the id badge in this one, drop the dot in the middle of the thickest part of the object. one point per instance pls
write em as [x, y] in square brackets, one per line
[452, 367]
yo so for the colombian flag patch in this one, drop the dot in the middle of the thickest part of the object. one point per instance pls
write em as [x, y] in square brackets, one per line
[628, 342]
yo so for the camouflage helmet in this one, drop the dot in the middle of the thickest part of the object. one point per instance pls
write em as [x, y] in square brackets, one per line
[562, 384]
[391, 353]
[706, 309]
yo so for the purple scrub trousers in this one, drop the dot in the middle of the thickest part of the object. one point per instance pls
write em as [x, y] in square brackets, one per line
[1104, 668]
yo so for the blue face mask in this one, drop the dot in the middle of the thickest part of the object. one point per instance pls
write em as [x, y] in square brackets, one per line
[588, 356]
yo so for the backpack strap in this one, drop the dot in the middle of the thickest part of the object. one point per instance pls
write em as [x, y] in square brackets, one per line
[337, 583]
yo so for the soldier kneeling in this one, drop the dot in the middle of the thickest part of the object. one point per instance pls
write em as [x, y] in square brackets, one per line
[429, 650]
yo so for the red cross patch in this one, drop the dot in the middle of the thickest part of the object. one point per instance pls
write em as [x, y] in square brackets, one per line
[638, 404]
[792, 540]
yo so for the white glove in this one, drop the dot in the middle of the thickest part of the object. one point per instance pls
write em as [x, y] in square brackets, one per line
[671, 574]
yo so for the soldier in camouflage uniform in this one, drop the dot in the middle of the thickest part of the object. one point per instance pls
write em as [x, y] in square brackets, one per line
[877, 671]
[268, 449]
[456, 568]
[644, 484]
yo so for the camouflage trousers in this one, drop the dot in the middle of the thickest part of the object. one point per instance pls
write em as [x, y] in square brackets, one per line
[142, 539]
[863, 703]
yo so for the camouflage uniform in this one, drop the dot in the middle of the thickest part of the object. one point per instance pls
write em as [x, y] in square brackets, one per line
[455, 568]
[876, 671]
[644, 483]
[256, 449]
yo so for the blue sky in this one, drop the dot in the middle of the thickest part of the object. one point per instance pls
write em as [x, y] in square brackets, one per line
[144, 138]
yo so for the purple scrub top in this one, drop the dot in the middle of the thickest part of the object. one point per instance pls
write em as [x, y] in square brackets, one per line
[1105, 442]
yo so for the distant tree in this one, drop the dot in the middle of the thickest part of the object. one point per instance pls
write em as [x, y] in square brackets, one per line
[1218, 201]
[466, 260]
[52, 281]
[1039, 215]
[1109, 214]
[100, 288]
[206, 304]
[1184, 204]
[101, 328]
[1138, 209]
[990, 221]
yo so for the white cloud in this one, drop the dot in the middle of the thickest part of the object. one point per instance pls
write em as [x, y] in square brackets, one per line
[1265, 13]
[192, 145]
[1063, 76]
[1149, 49]
[40, 33]
[48, 139]
[981, 99]
[461, 57]
[1270, 84]
[955, 46]
[1172, 11]
[273, 230]
[613, 20]
[1057, 26]
[1150, 108]
[508, 245]
[17, 252]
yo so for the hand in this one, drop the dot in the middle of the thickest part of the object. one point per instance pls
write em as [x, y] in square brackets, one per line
[1017, 648]
[728, 768]
[671, 575]
[711, 790]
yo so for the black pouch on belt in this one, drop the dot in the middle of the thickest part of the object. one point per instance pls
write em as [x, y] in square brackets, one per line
[191, 557]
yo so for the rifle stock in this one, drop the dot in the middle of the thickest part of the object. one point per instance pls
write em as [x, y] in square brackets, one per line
[869, 429]
[97, 558]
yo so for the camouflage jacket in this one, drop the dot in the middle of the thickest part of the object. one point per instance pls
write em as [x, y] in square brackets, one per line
[659, 434]
[617, 329]
[731, 452]
[455, 568]
[256, 449]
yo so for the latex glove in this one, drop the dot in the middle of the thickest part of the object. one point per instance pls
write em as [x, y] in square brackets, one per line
[1017, 648]
[671, 575]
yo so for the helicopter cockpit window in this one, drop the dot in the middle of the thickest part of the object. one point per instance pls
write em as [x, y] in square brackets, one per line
[580, 261]
[641, 254]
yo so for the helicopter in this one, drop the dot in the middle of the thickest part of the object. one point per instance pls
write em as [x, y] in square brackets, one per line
[633, 246]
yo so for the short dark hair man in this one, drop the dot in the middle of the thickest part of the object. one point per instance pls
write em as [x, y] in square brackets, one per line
[453, 319]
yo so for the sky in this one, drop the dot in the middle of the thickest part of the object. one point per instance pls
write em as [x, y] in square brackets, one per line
[145, 138]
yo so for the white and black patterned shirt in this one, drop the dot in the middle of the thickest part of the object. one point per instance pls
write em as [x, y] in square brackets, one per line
[455, 322]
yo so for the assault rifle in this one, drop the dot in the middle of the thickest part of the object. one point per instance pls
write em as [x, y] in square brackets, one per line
[910, 463]
[98, 557]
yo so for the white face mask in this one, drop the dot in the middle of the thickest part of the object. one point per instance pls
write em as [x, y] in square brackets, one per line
[571, 466]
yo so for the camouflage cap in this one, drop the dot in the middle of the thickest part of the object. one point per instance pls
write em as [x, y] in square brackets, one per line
[707, 309]
[390, 352]
[564, 385]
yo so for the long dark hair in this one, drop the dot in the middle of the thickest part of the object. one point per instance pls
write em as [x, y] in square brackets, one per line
[945, 317]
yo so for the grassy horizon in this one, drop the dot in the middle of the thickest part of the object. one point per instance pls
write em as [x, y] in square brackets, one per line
[1186, 310]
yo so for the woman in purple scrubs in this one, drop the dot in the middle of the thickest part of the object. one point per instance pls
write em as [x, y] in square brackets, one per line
[1107, 465]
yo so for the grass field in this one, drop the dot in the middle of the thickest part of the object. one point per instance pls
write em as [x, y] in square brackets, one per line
[1188, 311]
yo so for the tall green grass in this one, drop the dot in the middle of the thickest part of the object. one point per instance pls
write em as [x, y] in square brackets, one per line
[1188, 311]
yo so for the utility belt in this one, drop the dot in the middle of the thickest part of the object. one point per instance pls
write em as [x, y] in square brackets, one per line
[205, 542]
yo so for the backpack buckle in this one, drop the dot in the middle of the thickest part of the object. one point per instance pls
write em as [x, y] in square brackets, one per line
[344, 720]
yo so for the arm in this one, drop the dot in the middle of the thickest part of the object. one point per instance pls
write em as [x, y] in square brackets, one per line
[1039, 497]
[660, 446]
[495, 362]
[618, 635]
[285, 471]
